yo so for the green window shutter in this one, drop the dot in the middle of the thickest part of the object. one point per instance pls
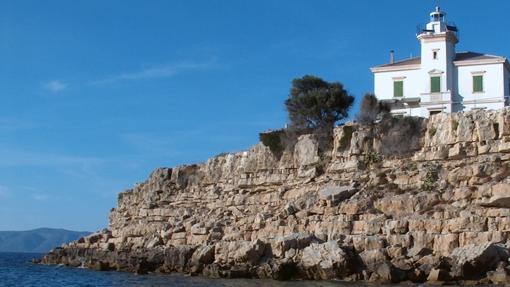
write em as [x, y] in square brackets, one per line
[398, 89]
[477, 83]
[435, 84]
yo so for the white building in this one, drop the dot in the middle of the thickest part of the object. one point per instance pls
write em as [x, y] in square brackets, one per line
[442, 80]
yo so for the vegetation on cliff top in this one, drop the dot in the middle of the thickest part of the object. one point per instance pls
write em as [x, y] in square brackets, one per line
[314, 107]
[371, 109]
[316, 104]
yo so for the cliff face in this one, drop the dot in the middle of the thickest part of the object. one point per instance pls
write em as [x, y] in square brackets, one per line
[417, 200]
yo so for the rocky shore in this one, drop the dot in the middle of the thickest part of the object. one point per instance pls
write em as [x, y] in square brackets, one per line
[380, 205]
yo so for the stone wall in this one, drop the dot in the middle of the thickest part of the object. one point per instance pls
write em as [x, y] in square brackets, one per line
[437, 210]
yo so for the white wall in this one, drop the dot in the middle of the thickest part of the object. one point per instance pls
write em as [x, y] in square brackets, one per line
[493, 85]
[414, 86]
[446, 53]
[383, 83]
[507, 85]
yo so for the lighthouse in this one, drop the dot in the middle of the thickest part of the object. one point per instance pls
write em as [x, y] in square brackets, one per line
[442, 79]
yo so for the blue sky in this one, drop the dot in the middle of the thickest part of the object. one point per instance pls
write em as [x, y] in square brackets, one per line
[96, 94]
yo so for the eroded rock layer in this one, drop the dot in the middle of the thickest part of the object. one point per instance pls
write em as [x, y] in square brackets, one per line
[387, 206]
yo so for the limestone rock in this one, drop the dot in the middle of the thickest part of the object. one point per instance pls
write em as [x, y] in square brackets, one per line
[438, 275]
[387, 273]
[155, 241]
[500, 196]
[498, 276]
[335, 194]
[472, 260]
[306, 151]
[203, 255]
[293, 241]
[325, 261]
[239, 251]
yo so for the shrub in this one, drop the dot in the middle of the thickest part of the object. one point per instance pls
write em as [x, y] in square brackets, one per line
[273, 140]
[371, 158]
[371, 109]
[431, 176]
[400, 136]
[432, 131]
[455, 125]
[345, 140]
[495, 126]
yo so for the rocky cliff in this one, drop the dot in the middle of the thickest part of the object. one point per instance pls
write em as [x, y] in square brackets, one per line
[414, 201]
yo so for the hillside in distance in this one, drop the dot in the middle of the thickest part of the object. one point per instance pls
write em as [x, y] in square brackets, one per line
[36, 241]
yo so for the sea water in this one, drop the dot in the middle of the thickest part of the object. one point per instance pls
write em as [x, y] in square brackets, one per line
[16, 269]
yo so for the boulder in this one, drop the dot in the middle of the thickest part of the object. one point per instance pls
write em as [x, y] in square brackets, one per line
[438, 275]
[93, 238]
[306, 151]
[332, 195]
[176, 258]
[498, 276]
[418, 251]
[199, 229]
[325, 261]
[289, 209]
[387, 273]
[154, 242]
[373, 258]
[203, 255]
[504, 147]
[473, 261]
[235, 252]
[278, 270]
[500, 196]
[294, 241]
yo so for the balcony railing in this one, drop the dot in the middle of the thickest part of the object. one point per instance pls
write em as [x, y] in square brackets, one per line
[450, 27]
[436, 98]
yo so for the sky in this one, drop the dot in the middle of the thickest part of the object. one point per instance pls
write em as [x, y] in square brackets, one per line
[96, 94]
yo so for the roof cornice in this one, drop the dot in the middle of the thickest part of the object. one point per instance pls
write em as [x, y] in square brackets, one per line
[480, 62]
[395, 68]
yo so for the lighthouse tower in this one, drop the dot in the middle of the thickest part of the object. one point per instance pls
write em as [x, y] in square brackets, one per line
[438, 41]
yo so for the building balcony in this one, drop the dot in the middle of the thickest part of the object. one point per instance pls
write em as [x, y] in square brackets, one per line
[436, 98]
[399, 103]
[449, 27]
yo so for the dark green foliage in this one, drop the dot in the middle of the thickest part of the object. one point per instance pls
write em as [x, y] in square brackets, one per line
[400, 136]
[495, 126]
[432, 131]
[273, 140]
[371, 109]
[371, 158]
[316, 104]
[346, 137]
[455, 125]
[431, 177]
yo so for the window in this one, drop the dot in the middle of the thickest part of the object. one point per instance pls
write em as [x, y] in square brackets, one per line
[434, 55]
[478, 83]
[435, 112]
[435, 84]
[398, 89]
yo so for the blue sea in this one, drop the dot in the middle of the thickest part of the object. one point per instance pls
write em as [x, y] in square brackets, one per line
[16, 269]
